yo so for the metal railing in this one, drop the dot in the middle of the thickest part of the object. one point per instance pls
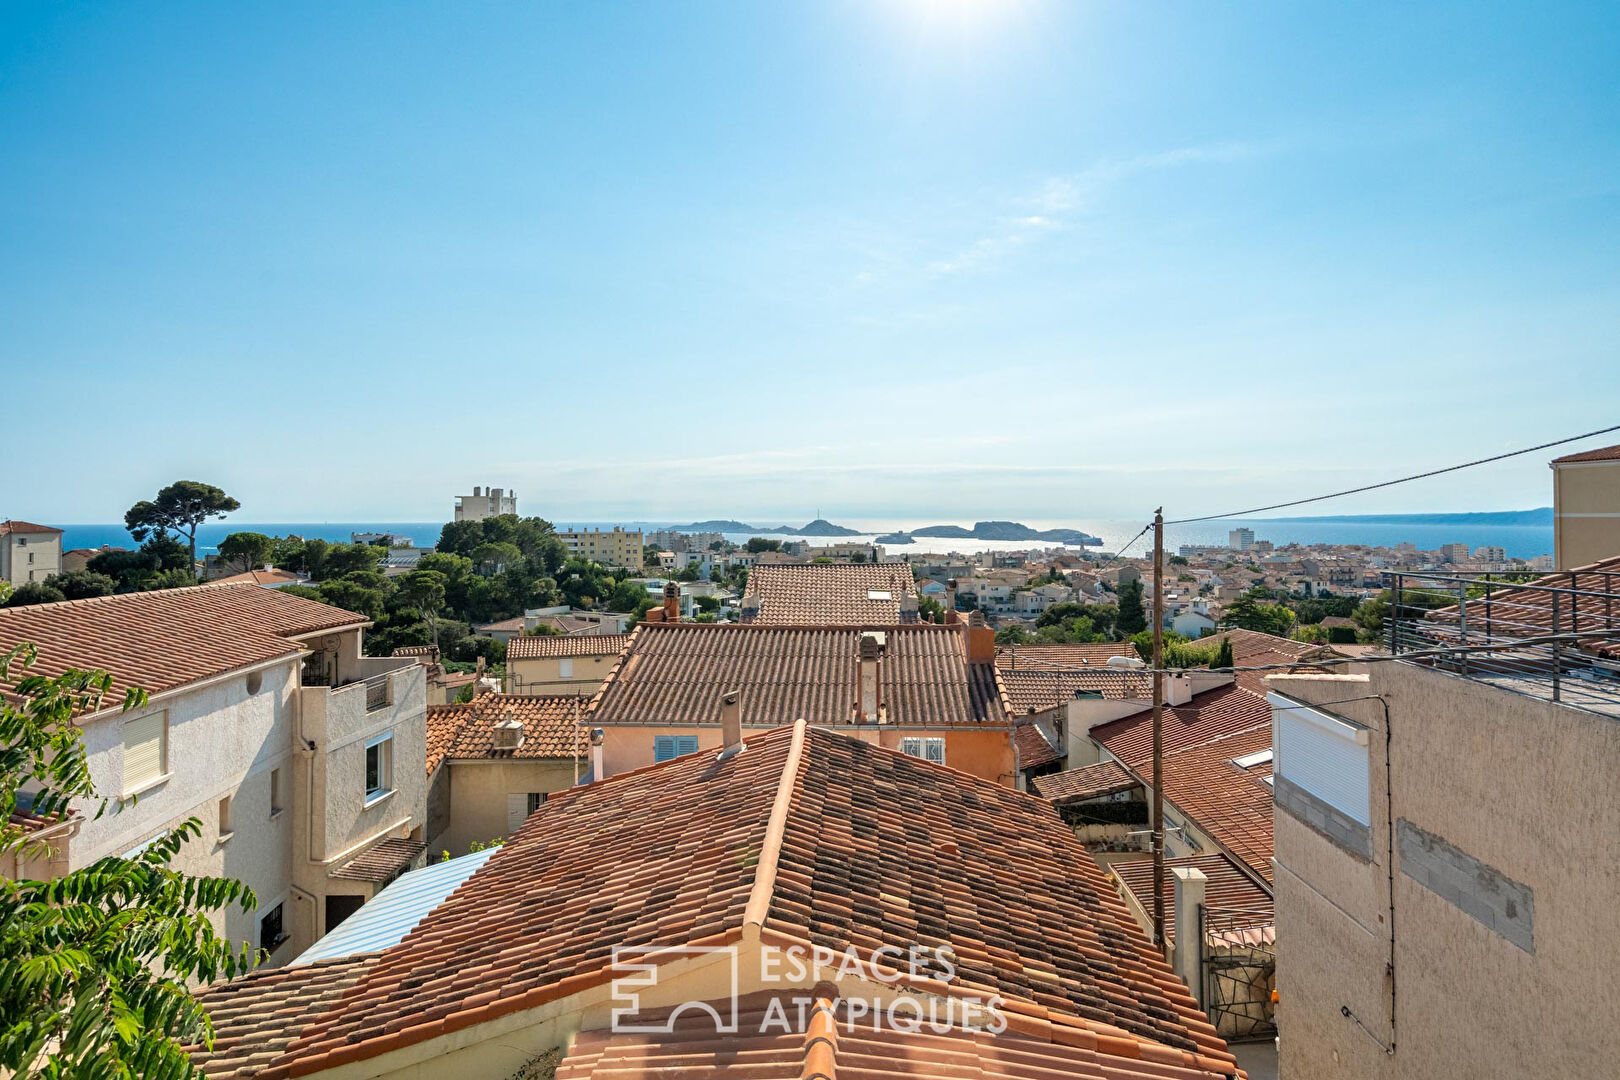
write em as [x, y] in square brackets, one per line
[377, 693]
[1551, 635]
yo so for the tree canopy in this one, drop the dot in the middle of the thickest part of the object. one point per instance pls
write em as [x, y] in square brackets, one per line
[179, 509]
[244, 551]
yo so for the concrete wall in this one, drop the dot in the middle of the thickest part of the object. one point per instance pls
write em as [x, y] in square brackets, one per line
[543, 675]
[1506, 817]
[1586, 509]
[478, 793]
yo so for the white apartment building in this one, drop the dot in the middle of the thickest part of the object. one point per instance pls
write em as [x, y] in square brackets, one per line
[29, 552]
[1240, 539]
[303, 759]
[484, 503]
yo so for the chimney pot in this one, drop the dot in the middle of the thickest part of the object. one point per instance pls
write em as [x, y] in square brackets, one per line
[731, 724]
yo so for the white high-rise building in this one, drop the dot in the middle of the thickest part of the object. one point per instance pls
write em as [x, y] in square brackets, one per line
[485, 502]
[1240, 539]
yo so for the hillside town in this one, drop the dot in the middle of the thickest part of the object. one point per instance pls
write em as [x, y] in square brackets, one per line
[391, 809]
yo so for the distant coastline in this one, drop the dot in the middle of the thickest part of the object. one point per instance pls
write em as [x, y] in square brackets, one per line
[1540, 516]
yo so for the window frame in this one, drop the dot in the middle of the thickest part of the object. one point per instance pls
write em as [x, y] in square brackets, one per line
[924, 743]
[279, 910]
[384, 745]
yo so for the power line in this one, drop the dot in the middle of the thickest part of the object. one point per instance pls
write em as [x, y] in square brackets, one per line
[1392, 483]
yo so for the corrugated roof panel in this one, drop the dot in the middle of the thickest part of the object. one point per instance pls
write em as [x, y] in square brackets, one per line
[393, 912]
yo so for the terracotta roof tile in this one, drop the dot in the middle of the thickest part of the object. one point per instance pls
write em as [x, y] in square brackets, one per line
[9, 527]
[1034, 748]
[829, 594]
[262, 578]
[257, 1015]
[1240, 900]
[381, 861]
[675, 673]
[811, 836]
[1033, 689]
[534, 646]
[165, 639]
[467, 730]
[1094, 654]
[1200, 740]
[1087, 782]
[1607, 453]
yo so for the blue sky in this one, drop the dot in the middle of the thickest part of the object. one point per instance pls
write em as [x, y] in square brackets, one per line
[890, 259]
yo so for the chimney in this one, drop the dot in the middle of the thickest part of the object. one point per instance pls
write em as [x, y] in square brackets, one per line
[908, 607]
[871, 660]
[978, 640]
[731, 724]
[1178, 689]
[672, 602]
[950, 600]
[750, 608]
[597, 772]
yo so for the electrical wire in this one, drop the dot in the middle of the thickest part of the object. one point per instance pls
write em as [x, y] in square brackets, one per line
[1392, 483]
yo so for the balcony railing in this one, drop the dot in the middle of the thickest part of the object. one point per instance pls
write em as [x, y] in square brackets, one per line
[1551, 635]
[377, 693]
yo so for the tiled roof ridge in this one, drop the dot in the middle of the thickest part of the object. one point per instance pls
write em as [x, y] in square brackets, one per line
[114, 598]
[612, 675]
[770, 852]
[763, 628]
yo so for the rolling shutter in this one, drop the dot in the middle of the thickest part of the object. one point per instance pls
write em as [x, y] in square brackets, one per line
[145, 749]
[1323, 756]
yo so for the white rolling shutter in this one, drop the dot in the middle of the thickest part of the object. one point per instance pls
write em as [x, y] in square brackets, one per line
[1323, 756]
[145, 749]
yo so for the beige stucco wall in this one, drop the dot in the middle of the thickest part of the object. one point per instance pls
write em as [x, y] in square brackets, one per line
[16, 550]
[1522, 785]
[1586, 508]
[544, 675]
[478, 791]
[222, 740]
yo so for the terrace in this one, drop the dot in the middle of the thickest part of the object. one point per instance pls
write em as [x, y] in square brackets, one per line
[1554, 636]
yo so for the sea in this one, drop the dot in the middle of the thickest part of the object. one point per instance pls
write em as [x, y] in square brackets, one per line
[1522, 535]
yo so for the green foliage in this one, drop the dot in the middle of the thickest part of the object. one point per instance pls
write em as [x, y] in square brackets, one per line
[1178, 560]
[1172, 643]
[930, 610]
[757, 544]
[1014, 635]
[707, 603]
[1132, 617]
[148, 567]
[244, 551]
[94, 965]
[687, 573]
[35, 592]
[1249, 613]
[179, 509]
[80, 584]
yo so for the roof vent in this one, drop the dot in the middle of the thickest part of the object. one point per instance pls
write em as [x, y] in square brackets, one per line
[508, 734]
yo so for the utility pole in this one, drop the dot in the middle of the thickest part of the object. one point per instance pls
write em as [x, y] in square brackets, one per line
[1158, 732]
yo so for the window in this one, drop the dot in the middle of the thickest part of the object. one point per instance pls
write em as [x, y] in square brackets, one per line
[379, 767]
[271, 933]
[519, 805]
[225, 829]
[275, 792]
[666, 747]
[146, 750]
[1323, 756]
[927, 749]
[565, 669]
[879, 594]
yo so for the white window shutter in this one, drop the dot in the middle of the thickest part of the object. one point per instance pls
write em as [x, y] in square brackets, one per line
[517, 810]
[565, 668]
[145, 752]
[1323, 756]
